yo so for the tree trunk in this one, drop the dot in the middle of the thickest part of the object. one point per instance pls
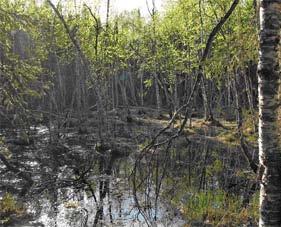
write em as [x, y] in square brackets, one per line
[141, 87]
[249, 92]
[176, 100]
[269, 102]
[250, 99]
[124, 93]
[112, 91]
[116, 90]
[132, 87]
[237, 101]
[228, 91]
[169, 100]
[78, 86]
[206, 101]
[157, 92]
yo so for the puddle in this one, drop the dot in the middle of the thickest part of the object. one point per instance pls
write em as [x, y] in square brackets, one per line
[76, 186]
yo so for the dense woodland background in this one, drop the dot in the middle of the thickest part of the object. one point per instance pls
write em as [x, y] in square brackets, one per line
[188, 72]
[68, 61]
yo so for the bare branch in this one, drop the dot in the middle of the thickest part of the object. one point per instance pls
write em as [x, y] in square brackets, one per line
[69, 32]
[205, 55]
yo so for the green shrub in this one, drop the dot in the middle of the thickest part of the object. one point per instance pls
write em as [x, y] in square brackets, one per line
[218, 208]
[9, 208]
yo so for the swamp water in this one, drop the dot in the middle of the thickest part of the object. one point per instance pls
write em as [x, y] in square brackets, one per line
[76, 184]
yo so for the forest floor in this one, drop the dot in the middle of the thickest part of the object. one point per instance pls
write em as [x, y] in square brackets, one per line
[146, 123]
[128, 135]
[225, 133]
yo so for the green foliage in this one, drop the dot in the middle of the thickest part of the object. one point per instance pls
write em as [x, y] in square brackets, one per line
[20, 68]
[250, 122]
[217, 208]
[9, 207]
[148, 83]
[215, 168]
[127, 43]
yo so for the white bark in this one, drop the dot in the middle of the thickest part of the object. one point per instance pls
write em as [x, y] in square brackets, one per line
[269, 112]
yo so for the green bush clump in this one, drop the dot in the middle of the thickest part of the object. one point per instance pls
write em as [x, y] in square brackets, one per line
[10, 209]
[219, 208]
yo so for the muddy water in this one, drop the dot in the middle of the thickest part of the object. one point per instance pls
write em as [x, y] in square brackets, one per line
[76, 184]
[112, 204]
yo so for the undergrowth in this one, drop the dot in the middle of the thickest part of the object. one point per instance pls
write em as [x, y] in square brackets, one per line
[216, 208]
[10, 209]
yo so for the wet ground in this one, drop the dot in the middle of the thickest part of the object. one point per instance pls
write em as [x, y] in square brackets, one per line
[79, 185]
[77, 182]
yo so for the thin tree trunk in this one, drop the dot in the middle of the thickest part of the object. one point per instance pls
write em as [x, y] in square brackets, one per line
[228, 92]
[176, 100]
[249, 92]
[157, 93]
[141, 88]
[237, 102]
[154, 52]
[250, 99]
[124, 93]
[112, 91]
[132, 88]
[78, 86]
[116, 91]
[169, 99]
[62, 91]
[269, 112]
[206, 101]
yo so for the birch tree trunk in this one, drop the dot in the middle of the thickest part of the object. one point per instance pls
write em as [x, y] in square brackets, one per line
[176, 100]
[237, 101]
[208, 114]
[116, 90]
[269, 112]
[61, 83]
[249, 92]
[141, 88]
[206, 101]
[157, 93]
[132, 87]
[112, 90]
[228, 91]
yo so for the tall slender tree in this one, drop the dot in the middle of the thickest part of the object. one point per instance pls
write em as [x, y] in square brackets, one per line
[269, 113]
